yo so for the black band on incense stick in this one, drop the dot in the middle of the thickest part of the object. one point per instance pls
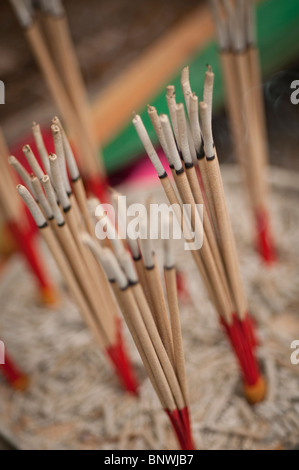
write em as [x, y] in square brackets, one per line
[61, 224]
[169, 268]
[150, 268]
[189, 165]
[124, 288]
[66, 209]
[201, 152]
[163, 176]
[209, 159]
[74, 180]
[137, 258]
[44, 225]
[180, 171]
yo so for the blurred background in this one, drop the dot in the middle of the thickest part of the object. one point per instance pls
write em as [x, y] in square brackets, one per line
[112, 37]
[117, 41]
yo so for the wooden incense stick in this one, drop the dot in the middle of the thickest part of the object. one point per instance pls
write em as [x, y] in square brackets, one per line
[84, 276]
[64, 55]
[172, 297]
[241, 69]
[157, 296]
[40, 51]
[146, 336]
[62, 263]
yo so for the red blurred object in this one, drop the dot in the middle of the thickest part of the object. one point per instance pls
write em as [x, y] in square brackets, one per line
[120, 360]
[181, 425]
[96, 186]
[13, 375]
[26, 243]
[265, 243]
[182, 287]
[243, 342]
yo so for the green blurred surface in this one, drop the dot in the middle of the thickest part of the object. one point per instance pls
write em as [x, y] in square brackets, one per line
[278, 39]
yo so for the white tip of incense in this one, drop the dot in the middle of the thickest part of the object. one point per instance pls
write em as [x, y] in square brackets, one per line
[147, 144]
[90, 242]
[118, 274]
[134, 247]
[153, 115]
[146, 247]
[99, 254]
[206, 129]
[185, 83]
[240, 25]
[110, 229]
[23, 173]
[69, 154]
[170, 91]
[52, 199]
[58, 181]
[32, 206]
[183, 132]
[185, 75]
[171, 102]
[31, 159]
[94, 247]
[250, 23]
[59, 149]
[86, 239]
[55, 7]
[194, 122]
[127, 264]
[41, 198]
[223, 38]
[92, 204]
[39, 141]
[208, 86]
[23, 12]
[173, 152]
[119, 203]
[168, 254]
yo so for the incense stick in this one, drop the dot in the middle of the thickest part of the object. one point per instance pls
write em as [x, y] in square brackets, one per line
[85, 278]
[51, 76]
[219, 265]
[146, 336]
[242, 77]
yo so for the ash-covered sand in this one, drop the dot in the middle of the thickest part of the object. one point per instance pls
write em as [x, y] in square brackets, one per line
[74, 401]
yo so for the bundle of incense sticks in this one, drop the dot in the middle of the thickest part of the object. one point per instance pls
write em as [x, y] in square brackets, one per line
[50, 41]
[60, 212]
[235, 26]
[135, 279]
[12, 374]
[17, 222]
[217, 258]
